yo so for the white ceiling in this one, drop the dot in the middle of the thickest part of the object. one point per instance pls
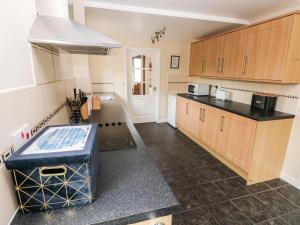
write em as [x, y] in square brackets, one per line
[186, 20]
[122, 25]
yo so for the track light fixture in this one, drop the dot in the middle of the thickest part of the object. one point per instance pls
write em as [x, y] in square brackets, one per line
[158, 35]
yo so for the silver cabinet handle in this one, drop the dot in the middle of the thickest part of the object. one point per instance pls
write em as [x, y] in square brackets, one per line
[245, 64]
[187, 108]
[222, 66]
[222, 124]
[218, 69]
[200, 114]
[203, 65]
[203, 116]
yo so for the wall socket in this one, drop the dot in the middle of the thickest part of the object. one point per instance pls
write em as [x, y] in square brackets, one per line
[21, 136]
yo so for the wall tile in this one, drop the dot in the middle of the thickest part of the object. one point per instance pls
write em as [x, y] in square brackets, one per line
[50, 97]
[43, 66]
[272, 88]
[32, 106]
[60, 92]
[10, 118]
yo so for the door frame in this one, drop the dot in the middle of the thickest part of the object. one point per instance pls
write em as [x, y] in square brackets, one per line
[128, 83]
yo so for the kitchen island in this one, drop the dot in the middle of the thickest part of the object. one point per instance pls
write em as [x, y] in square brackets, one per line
[131, 189]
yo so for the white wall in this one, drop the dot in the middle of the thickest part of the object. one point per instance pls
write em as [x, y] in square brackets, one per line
[33, 83]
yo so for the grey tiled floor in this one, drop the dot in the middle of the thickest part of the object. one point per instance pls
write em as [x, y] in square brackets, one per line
[209, 192]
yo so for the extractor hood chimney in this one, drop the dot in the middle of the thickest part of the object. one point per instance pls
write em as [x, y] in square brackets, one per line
[53, 32]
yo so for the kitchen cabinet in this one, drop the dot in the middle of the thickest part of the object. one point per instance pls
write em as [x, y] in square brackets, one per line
[236, 139]
[268, 51]
[210, 125]
[165, 220]
[234, 54]
[214, 56]
[253, 149]
[198, 58]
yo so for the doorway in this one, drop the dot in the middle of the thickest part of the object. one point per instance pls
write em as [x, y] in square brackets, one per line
[143, 70]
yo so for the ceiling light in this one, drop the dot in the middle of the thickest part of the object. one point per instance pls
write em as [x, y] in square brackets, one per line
[158, 35]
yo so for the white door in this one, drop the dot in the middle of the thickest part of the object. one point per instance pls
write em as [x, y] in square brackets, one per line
[143, 84]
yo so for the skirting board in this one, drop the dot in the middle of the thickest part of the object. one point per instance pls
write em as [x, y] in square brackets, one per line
[162, 121]
[291, 180]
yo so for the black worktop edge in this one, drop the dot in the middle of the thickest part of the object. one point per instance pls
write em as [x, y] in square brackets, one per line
[257, 118]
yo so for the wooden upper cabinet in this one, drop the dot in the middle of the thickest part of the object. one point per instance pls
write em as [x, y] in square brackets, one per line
[198, 58]
[264, 52]
[194, 60]
[234, 54]
[266, 49]
[236, 139]
[214, 56]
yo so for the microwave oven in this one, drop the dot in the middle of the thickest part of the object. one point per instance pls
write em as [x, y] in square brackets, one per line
[198, 89]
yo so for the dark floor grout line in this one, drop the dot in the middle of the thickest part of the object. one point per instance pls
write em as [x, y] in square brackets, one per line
[287, 199]
[236, 206]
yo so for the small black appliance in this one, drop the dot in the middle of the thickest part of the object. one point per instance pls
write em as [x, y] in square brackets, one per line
[264, 102]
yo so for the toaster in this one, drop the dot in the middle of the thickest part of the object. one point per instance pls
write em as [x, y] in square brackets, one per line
[264, 102]
[223, 95]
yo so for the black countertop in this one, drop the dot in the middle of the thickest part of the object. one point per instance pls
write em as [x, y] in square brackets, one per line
[239, 108]
[131, 188]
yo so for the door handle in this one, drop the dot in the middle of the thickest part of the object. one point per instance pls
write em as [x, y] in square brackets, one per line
[222, 124]
[203, 116]
[154, 88]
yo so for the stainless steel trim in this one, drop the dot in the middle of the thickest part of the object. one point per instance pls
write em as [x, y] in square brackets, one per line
[203, 117]
[222, 124]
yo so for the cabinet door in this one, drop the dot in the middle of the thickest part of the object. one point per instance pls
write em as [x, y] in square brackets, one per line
[236, 139]
[234, 54]
[210, 126]
[266, 49]
[195, 122]
[195, 61]
[215, 53]
[181, 111]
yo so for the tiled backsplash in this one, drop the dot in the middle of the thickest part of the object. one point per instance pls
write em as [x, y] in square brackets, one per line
[288, 94]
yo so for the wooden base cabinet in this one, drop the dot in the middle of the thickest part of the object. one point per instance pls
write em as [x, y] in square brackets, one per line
[253, 149]
[165, 220]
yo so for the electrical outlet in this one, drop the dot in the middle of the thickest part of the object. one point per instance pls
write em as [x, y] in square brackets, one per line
[21, 136]
[8, 153]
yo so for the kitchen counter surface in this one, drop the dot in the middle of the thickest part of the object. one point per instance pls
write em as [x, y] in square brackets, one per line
[239, 108]
[131, 188]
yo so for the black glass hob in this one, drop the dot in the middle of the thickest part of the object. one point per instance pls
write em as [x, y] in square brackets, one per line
[115, 136]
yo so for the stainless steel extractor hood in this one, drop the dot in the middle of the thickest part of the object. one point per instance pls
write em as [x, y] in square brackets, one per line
[63, 33]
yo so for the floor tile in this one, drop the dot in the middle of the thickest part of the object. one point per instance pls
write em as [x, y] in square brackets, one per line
[188, 197]
[253, 188]
[196, 176]
[210, 194]
[276, 221]
[254, 209]
[227, 214]
[293, 218]
[177, 180]
[291, 193]
[231, 188]
[199, 216]
[276, 202]
[276, 183]
[214, 173]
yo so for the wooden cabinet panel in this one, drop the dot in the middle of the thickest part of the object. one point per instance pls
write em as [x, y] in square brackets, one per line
[195, 122]
[266, 49]
[195, 62]
[181, 110]
[236, 139]
[198, 58]
[234, 54]
[214, 56]
[210, 126]
[166, 220]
